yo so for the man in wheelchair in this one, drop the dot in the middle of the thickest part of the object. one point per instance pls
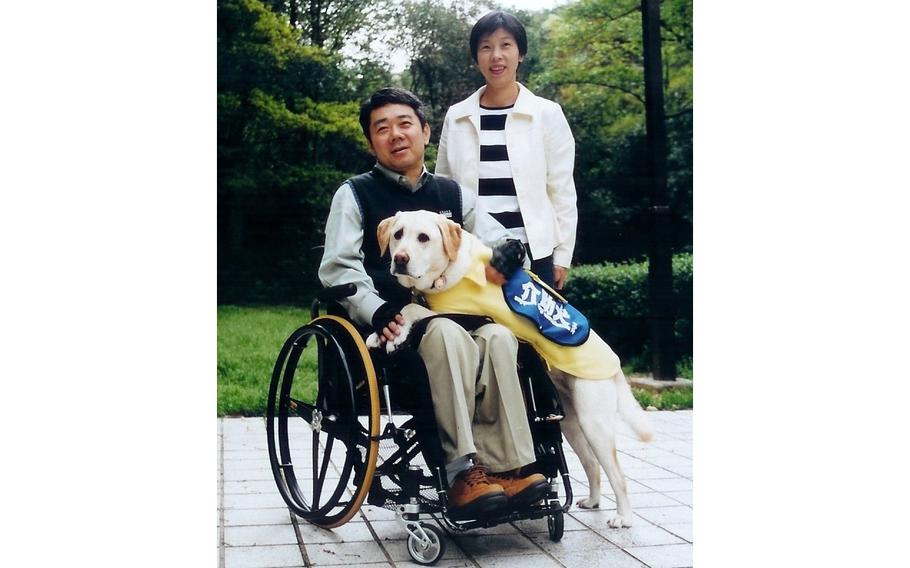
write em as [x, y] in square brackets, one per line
[472, 379]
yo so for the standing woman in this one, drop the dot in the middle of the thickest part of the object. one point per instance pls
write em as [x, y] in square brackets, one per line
[514, 150]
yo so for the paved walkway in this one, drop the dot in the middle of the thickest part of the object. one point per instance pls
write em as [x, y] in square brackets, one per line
[256, 530]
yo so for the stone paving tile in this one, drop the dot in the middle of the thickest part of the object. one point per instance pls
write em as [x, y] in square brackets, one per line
[661, 515]
[614, 558]
[668, 484]
[540, 525]
[599, 518]
[253, 501]
[684, 497]
[246, 517]
[580, 486]
[572, 542]
[658, 478]
[259, 456]
[639, 535]
[259, 535]
[524, 561]
[348, 532]
[668, 556]
[479, 545]
[445, 562]
[344, 553]
[398, 551]
[388, 530]
[374, 513]
[682, 530]
[585, 550]
[258, 474]
[250, 487]
[647, 471]
[652, 499]
[262, 556]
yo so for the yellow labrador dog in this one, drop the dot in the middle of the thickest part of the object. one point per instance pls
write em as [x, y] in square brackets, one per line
[435, 256]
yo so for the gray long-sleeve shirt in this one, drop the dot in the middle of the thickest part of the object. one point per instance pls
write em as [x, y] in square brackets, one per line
[342, 259]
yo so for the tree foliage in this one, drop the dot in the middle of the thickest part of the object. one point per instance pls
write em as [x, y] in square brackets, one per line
[292, 73]
[327, 24]
[435, 36]
[592, 64]
[287, 137]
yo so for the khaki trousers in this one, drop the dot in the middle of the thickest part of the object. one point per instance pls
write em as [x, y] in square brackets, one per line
[477, 400]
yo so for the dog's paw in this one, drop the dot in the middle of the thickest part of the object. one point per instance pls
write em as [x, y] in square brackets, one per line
[620, 521]
[372, 341]
[588, 503]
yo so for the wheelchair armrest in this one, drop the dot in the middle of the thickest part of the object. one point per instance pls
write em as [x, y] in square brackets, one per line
[331, 294]
[334, 293]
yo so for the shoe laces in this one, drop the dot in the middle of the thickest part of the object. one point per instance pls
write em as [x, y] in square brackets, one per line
[475, 476]
[513, 474]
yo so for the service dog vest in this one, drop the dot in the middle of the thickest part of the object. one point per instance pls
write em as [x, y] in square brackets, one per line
[555, 318]
[591, 359]
[379, 198]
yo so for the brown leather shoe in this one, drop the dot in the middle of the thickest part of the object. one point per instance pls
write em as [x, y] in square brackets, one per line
[521, 490]
[473, 496]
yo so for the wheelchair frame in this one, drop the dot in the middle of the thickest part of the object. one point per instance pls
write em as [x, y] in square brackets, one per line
[343, 419]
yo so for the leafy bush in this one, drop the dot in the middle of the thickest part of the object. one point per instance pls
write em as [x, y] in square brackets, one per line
[614, 297]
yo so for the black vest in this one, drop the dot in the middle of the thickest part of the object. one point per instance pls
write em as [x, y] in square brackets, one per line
[379, 198]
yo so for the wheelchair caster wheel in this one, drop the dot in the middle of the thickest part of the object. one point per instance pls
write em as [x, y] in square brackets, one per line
[429, 550]
[556, 524]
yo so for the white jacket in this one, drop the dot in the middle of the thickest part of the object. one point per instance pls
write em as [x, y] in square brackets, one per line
[542, 155]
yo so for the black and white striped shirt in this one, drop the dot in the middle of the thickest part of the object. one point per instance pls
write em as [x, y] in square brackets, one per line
[495, 186]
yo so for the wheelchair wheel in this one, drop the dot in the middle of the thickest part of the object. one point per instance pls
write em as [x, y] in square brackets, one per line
[323, 421]
[556, 524]
[427, 550]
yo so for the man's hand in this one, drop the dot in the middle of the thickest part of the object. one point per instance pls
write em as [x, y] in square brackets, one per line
[560, 273]
[387, 322]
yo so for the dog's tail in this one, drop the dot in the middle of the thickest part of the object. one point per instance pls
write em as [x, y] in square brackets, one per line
[631, 411]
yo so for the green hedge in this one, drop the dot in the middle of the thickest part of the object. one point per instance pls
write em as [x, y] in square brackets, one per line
[614, 297]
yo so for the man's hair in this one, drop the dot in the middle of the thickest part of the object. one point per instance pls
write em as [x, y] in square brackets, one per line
[492, 22]
[390, 96]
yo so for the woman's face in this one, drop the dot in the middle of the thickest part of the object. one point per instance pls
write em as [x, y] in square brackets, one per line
[498, 58]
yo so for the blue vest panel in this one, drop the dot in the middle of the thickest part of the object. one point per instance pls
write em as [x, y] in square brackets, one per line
[555, 318]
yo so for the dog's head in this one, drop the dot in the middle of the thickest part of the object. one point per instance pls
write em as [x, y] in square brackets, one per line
[422, 244]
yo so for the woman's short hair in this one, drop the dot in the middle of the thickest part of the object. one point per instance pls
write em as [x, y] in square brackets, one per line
[390, 96]
[492, 22]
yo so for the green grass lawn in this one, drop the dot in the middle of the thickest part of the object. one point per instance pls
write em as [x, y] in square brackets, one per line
[249, 339]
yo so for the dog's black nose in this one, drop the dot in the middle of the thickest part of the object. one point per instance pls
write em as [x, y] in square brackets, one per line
[401, 262]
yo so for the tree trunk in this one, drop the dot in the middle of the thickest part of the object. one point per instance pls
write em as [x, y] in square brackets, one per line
[660, 265]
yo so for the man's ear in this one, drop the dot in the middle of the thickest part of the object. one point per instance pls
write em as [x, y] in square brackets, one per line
[383, 232]
[451, 237]
[426, 133]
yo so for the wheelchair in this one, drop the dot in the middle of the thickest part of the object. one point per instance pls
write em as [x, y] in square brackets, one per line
[335, 440]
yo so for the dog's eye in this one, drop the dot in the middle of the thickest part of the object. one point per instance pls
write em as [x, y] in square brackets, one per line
[398, 234]
[423, 237]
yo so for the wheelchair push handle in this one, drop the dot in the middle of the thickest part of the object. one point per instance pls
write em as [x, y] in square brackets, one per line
[331, 294]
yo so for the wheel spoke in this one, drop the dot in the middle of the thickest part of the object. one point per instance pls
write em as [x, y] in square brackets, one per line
[341, 475]
[319, 477]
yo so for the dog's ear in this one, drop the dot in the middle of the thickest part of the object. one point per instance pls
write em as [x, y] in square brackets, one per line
[451, 236]
[383, 232]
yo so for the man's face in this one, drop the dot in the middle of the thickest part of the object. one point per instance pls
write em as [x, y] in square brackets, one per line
[397, 139]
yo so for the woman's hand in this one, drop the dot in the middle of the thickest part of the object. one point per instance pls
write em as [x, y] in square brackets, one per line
[494, 276]
[560, 273]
